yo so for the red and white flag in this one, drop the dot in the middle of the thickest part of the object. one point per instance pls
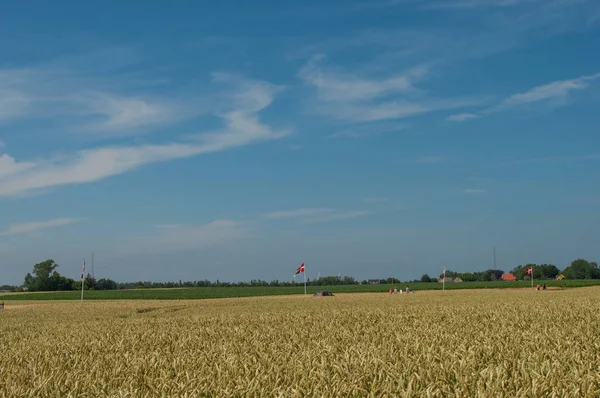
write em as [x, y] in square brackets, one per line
[529, 270]
[300, 269]
[83, 270]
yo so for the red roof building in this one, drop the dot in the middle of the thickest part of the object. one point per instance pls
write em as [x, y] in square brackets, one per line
[509, 277]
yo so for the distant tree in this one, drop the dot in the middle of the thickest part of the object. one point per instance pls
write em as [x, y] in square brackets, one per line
[425, 278]
[348, 280]
[106, 284]
[484, 277]
[43, 278]
[468, 277]
[582, 269]
[495, 274]
[9, 288]
[90, 282]
[545, 271]
[60, 283]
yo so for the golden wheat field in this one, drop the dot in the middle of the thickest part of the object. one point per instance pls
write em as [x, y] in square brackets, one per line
[485, 343]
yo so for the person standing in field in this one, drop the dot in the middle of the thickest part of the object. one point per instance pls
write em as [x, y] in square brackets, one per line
[407, 290]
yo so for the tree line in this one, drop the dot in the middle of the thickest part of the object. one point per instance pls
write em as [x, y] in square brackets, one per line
[45, 277]
[578, 269]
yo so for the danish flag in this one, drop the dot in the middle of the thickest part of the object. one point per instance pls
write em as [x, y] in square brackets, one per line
[83, 270]
[529, 270]
[300, 269]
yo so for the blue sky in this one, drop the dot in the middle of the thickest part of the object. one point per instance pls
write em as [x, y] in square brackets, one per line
[236, 140]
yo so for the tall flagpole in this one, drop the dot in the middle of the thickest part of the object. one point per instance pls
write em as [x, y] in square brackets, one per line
[304, 278]
[444, 280]
[82, 280]
[532, 276]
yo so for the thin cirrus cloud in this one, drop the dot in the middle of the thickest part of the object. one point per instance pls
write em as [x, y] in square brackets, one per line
[553, 93]
[297, 213]
[29, 227]
[554, 90]
[353, 98]
[109, 103]
[241, 127]
[314, 215]
[461, 117]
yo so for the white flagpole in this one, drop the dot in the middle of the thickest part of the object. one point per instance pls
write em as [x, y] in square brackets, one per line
[444, 280]
[82, 279]
[532, 276]
[304, 278]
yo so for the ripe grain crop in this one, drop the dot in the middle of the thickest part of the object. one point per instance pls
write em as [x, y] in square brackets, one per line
[500, 343]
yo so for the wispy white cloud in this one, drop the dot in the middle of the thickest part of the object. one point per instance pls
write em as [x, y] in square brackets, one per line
[127, 114]
[354, 98]
[335, 217]
[498, 31]
[554, 90]
[553, 93]
[334, 85]
[461, 117]
[297, 213]
[430, 159]
[83, 96]
[8, 166]
[474, 191]
[12, 103]
[38, 225]
[242, 127]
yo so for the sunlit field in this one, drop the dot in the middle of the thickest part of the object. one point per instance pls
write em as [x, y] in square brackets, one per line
[487, 343]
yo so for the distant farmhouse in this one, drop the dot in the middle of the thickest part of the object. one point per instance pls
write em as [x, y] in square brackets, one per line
[449, 279]
[509, 277]
[374, 281]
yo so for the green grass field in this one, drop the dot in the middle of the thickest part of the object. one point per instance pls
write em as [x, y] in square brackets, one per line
[223, 292]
